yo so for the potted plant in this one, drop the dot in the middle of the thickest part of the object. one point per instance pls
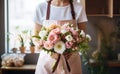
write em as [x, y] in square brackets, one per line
[22, 47]
[32, 46]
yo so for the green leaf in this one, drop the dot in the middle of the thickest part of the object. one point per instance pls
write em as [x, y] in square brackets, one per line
[38, 37]
[31, 43]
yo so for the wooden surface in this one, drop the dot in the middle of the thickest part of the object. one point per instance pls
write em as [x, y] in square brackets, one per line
[25, 67]
[32, 67]
[110, 64]
[114, 63]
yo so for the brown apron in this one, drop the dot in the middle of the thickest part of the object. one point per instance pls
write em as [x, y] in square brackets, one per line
[71, 65]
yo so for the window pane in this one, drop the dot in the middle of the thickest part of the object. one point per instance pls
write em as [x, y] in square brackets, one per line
[20, 18]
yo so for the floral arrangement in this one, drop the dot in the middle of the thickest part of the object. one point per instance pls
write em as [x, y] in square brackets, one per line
[61, 39]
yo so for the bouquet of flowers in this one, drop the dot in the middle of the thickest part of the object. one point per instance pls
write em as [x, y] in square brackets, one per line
[61, 39]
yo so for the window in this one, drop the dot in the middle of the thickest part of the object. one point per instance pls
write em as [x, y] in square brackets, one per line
[19, 19]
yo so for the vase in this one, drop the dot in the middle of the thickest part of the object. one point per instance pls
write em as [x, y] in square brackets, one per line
[22, 49]
[32, 49]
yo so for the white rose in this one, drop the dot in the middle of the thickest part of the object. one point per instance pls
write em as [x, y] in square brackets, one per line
[82, 33]
[63, 31]
[69, 38]
[59, 47]
[42, 34]
[88, 37]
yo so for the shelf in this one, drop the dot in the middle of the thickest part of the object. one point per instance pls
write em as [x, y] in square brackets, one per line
[25, 67]
[110, 64]
[97, 15]
[116, 14]
[99, 7]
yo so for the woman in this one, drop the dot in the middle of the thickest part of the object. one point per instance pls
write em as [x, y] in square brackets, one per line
[59, 10]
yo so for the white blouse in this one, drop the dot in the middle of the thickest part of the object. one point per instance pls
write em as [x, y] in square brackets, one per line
[59, 13]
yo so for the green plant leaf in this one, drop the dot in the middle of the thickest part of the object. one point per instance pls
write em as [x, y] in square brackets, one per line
[38, 37]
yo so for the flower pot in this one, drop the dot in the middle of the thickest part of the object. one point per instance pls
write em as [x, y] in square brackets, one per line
[32, 49]
[14, 50]
[22, 49]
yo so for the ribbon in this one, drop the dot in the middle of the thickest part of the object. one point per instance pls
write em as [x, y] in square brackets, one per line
[57, 62]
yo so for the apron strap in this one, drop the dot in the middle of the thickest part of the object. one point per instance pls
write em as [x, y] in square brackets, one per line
[72, 9]
[48, 10]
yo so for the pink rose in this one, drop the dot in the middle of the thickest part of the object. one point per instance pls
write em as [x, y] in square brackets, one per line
[69, 44]
[48, 45]
[74, 32]
[53, 38]
[56, 31]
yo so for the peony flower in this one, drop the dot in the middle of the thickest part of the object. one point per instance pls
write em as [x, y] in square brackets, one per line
[59, 47]
[82, 33]
[88, 37]
[69, 44]
[56, 30]
[48, 45]
[43, 33]
[69, 38]
[53, 38]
